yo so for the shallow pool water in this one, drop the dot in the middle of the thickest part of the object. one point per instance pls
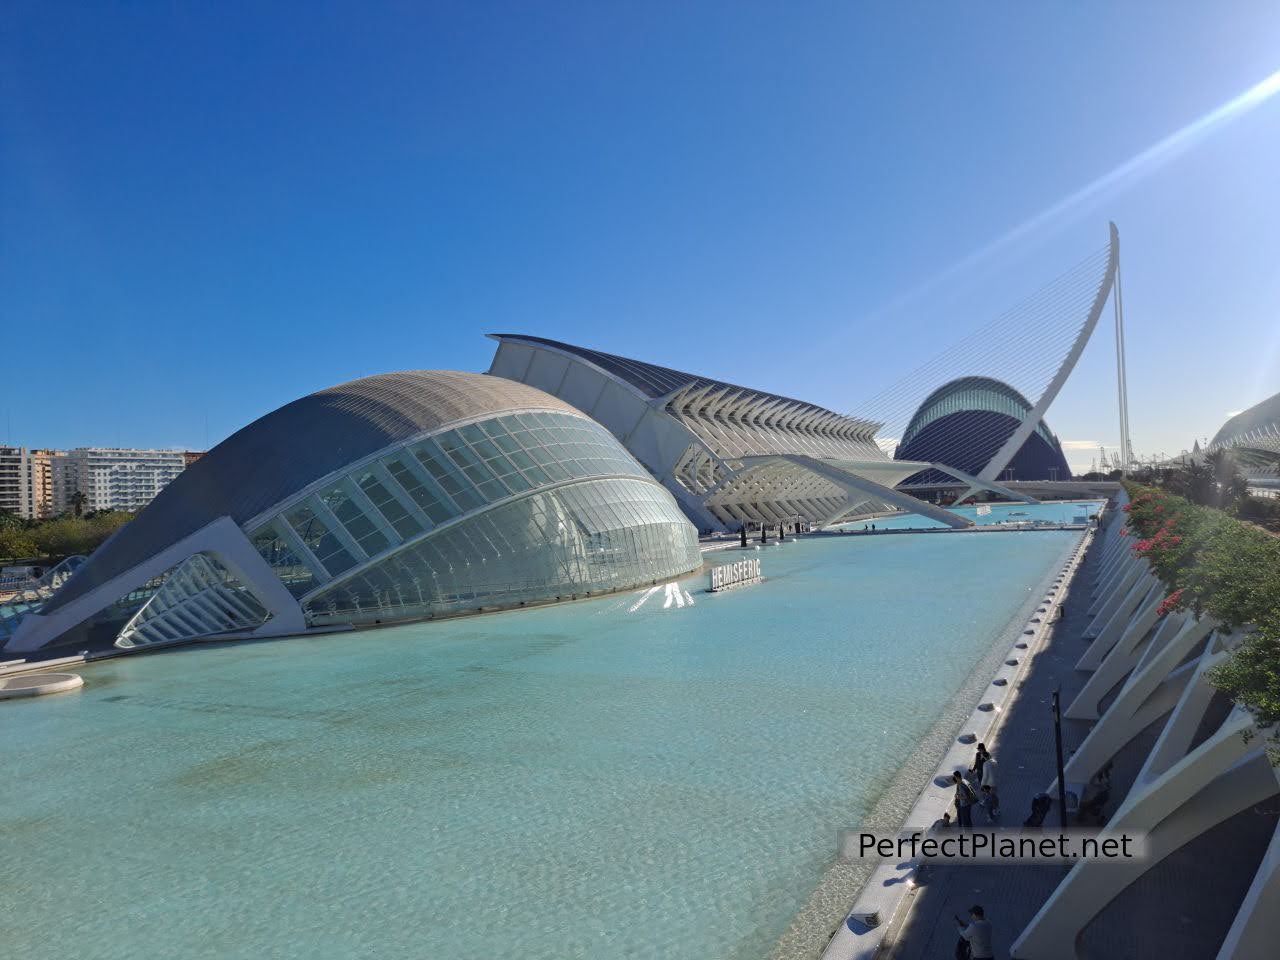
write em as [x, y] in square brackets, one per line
[1052, 511]
[652, 774]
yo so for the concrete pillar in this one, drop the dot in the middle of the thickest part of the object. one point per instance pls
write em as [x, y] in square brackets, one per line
[1131, 711]
[1134, 605]
[1107, 604]
[1120, 659]
[1256, 928]
[1217, 780]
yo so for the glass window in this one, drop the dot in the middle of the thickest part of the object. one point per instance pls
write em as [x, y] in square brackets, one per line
[594, 536]
[326, 548]
[401, 520]
[458, 489]
[433, 504]
[288, 566]
[361, 527]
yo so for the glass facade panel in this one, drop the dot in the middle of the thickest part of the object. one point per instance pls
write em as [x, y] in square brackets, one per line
[612, 528]
[326, 548]
[587, 537]
[453, 484]
[362, 528]
[401, 520]
[432, 502]
[288, 566]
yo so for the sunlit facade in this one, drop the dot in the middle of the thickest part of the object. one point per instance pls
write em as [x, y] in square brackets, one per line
[731, 456]
[402, 496]
[1253, 438]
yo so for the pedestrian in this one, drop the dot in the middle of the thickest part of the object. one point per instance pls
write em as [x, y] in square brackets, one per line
[989, 770]
[965, 799]
[976, 934]
[990, 803]
[980, 758]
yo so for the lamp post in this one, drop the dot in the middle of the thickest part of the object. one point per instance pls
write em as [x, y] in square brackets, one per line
[1062, 777]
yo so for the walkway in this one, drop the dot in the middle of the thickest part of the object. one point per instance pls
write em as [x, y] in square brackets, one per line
[1181, 908]
[1024, 750]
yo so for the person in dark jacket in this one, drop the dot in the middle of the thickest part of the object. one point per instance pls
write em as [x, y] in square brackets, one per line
[980, 757]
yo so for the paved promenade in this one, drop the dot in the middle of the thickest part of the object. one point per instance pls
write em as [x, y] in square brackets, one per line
[1180, 908]
[1024, 752]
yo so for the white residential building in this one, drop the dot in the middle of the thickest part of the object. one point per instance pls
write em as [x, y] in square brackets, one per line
[113, 478]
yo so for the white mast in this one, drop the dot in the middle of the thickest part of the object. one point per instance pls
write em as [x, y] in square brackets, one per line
[1122, 386]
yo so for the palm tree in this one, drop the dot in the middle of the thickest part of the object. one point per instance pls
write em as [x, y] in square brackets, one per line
[78, 500]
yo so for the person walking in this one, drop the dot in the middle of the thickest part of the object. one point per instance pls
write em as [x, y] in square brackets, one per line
[977, 934]
[965, 799]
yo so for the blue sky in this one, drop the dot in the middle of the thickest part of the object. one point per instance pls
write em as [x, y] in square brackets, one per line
[207, 210]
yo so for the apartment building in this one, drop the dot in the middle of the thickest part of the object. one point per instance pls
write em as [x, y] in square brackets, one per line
[27, 481]
[112, 478]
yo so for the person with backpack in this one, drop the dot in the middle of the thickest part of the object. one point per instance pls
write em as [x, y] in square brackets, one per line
[965, 799]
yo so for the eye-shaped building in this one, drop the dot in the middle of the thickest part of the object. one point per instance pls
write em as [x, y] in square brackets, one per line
[393, 497]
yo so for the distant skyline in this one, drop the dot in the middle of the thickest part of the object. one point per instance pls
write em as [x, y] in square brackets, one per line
[208, 212]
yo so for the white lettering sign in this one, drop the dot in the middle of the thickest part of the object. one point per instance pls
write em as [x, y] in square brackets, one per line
[734, 574]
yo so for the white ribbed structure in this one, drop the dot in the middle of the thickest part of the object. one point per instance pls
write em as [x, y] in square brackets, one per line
[730, 455]
[199, 598]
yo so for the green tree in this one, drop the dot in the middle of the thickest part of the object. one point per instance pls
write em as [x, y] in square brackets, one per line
[16, 543]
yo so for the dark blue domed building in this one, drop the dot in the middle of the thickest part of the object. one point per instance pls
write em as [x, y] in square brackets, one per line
[965, 422]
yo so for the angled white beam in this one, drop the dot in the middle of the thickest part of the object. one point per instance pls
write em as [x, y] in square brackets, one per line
[853, 483]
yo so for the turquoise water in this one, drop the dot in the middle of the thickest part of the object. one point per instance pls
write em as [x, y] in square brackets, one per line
[609, 778]
[1052, 512]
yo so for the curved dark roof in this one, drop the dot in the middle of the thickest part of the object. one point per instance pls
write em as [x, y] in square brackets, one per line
[649, 378]
[283, 452]
[920, 419]
[1258, 417]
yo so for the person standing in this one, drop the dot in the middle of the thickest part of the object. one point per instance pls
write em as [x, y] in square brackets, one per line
[977, 934]
[991, 803]
[965, 799]
[987, 784]
[980, 758]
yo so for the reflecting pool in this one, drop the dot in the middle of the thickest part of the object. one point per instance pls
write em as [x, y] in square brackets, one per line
[1052, 511]
[653, 774]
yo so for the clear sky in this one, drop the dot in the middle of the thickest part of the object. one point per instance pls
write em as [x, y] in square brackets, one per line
[207, 210]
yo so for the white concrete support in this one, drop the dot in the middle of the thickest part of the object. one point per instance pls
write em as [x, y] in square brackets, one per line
[1151, 691]
[1255, 932]
[1145, 595]
[1109, 579]
[856, 485]
[1115, 561]
[975, 485]
[1113, 549]
[1184, 722]
[1119, 660]
[222, 539]
[1217, 780]
[1115, 597]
